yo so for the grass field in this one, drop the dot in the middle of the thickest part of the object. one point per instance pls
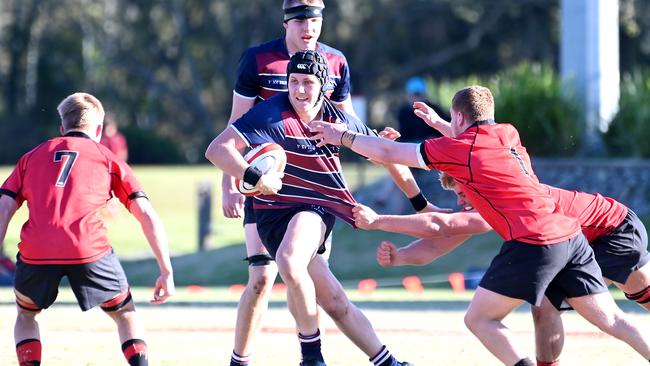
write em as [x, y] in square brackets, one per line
[197, 328]
[173, 192]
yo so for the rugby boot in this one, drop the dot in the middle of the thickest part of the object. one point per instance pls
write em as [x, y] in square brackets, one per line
[405, 364]
[309, 361]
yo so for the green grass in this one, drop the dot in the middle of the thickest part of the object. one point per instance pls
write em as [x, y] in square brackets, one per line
[173, 193]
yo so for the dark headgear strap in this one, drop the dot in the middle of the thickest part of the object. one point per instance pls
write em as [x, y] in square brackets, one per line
[303, 12]
[311, 63]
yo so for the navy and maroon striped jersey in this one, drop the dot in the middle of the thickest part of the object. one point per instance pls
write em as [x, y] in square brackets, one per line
[262, 71]
[313, 174]
[66, 182]
[598, 215]
[494, 169]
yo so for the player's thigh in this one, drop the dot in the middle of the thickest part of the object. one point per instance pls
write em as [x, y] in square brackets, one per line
[253, 241]
[489, 305]
[304, 235]
[600, 308]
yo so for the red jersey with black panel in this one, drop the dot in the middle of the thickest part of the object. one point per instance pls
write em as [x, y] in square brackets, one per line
[494, 169]
[598, 215]
[66, 181]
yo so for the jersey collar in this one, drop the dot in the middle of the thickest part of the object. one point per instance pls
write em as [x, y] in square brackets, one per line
[483, 122]
[76, 134]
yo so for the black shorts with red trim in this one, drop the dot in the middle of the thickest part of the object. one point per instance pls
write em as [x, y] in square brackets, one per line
[624, 250]
[92, 283]
[528, 272]
[272, 224]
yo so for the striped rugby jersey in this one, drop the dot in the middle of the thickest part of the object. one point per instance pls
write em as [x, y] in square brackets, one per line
[262, 71]
[313, 174]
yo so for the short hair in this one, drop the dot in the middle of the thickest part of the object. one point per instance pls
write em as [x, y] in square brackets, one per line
[475, 101]
[286, 4]
[80, 111]
[447, 181]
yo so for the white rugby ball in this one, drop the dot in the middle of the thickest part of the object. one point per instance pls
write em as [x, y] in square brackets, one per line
[265, 157]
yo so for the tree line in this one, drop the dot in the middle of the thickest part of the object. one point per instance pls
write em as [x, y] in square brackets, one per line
[165, 69]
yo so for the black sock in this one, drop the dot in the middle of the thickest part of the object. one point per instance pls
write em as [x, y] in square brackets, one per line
[383, 358]
[525, 362]
[310, 346]
[135, 352]
[239, 360]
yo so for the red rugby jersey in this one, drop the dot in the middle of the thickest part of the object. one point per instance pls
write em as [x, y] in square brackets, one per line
[66, 181]
[598, 215]
[495, 171]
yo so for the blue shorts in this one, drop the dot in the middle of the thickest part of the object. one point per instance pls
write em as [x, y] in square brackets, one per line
[92, 283]
[529, 271]
[272, 224]
[624, 250]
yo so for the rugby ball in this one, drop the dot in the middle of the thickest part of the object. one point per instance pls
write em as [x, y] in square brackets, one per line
[265, 157]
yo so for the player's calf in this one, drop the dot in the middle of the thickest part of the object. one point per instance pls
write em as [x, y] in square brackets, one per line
[122, 311]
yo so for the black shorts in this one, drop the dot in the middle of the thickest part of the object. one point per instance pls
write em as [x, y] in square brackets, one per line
[92, 283]
[528, 272]
[249, 211]
[624, 250]
[272, 225]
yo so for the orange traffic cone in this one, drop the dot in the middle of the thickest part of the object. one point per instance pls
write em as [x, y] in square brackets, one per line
[457, 281]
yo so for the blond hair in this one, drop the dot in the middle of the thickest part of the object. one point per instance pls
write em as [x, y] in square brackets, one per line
[447, 181]
[291, 3]
[80, 111]
[476, 102]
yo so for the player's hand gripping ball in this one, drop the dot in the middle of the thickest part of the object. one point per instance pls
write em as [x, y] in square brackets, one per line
[265, 157]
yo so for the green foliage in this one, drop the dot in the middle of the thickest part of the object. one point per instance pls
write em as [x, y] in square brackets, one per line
[530, 96]
[147, 147]
[630, 129]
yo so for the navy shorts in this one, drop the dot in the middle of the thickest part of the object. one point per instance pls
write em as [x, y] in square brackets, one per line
[624, 250]
[528, 272]
[272, 225]
[92, 283]
[249, 211]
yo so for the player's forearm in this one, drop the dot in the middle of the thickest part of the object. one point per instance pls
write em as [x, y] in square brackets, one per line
[418, 225]
[424, 251]
[154, 232]
[227, 158]
[404, 179]
[227, 183]
[443, 127]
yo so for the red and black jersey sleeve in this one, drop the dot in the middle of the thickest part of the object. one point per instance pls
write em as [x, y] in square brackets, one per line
[124, 184]
[13, 186]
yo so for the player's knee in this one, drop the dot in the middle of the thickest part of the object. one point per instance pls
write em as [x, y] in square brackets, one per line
[472, 321]
[336, 306]
[291, 272]
[261, 279]
[119, 305]
[642, 297]
[27, 308]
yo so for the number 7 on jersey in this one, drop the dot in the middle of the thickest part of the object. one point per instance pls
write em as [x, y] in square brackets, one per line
[68, 157]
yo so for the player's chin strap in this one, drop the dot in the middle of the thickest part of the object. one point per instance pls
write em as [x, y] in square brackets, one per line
[641, 297]
[259, 260]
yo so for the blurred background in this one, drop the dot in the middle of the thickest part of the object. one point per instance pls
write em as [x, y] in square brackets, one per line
[165, 71]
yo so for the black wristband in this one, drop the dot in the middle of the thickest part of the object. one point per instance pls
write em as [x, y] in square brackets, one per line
[252, 175]
[419, 202]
